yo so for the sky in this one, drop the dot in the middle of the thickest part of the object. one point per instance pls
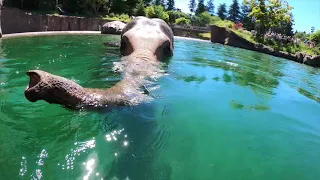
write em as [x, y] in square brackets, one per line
[306, 13]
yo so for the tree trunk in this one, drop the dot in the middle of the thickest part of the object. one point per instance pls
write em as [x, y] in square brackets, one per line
[0, 18]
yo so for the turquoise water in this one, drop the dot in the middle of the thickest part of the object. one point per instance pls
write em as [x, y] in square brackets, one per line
[220, 113]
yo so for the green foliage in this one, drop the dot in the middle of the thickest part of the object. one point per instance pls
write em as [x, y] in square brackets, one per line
[157, 12]
[245, 34]
[222, 11]
[234, 11]
[140, 9]
[247, 21]
[95, 5]
[173, 15]
[214, 19]
[201, 8]
[115, 17]
[301, 35]
[274, 16]
[315, 37]
[182, 21]
[206, 36]
[224, 23]
[149, 11]
[204, 18]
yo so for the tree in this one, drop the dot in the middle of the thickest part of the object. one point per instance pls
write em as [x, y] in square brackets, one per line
[278, 13]
[192, 6]
[157, 2]
[210, 6]
[274, 16]
[247, 21]
[201, 7]
[173, 15]
[95, 5]
[312, 29]
[259, 13]
[163, 3]
[157, 12]
[170, 5]
[287, 28]
[222, 11]
[140, 9]
[0, 19]
[234, 11]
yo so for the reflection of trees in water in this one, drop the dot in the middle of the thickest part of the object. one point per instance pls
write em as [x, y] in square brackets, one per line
[252, 70]
[312, 83]
[306, 93]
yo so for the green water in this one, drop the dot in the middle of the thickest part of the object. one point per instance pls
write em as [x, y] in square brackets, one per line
[220, 113]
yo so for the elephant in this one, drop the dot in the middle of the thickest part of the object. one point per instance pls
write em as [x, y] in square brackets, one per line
[144, 44]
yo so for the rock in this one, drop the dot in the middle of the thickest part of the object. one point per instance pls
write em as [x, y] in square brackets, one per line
[312, 61]
[114, 27]
[300, 56]
[218, 34]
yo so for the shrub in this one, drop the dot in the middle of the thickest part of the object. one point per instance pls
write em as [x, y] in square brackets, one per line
[157, 12]
[165, 16]
[182, 21]
[315, 37]
[173, 15]
[214, 19]
[124, 16]
[150, 13]
[224, 23]
[204, 18]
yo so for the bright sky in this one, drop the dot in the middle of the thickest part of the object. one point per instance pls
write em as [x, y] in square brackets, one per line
[306, 13]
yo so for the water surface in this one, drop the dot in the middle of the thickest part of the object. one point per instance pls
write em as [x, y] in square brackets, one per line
[220, 113]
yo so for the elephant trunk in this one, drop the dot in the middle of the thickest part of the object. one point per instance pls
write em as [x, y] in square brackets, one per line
[59, 90]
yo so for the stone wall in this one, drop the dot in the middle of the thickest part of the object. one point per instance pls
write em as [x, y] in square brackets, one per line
[14, 20]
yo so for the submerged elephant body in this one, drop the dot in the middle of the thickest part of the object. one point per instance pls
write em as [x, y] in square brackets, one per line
[144, 44]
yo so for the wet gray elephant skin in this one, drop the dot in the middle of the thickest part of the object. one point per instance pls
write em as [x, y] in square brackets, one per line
[144, 44]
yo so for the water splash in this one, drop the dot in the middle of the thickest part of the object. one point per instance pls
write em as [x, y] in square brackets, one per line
[23, 164]
[113, 136]
[70, 158]
[38, 172]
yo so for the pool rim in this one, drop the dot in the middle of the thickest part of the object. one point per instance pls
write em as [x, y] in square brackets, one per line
[54, 33]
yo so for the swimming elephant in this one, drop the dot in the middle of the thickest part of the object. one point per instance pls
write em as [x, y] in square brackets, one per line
[144, 44]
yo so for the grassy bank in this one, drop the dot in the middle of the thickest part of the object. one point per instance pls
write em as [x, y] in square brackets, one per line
[290, 48]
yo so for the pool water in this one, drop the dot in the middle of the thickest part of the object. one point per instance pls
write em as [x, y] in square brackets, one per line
[220, 113]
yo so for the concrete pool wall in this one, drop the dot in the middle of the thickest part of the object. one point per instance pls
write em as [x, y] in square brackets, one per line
[14, 20]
